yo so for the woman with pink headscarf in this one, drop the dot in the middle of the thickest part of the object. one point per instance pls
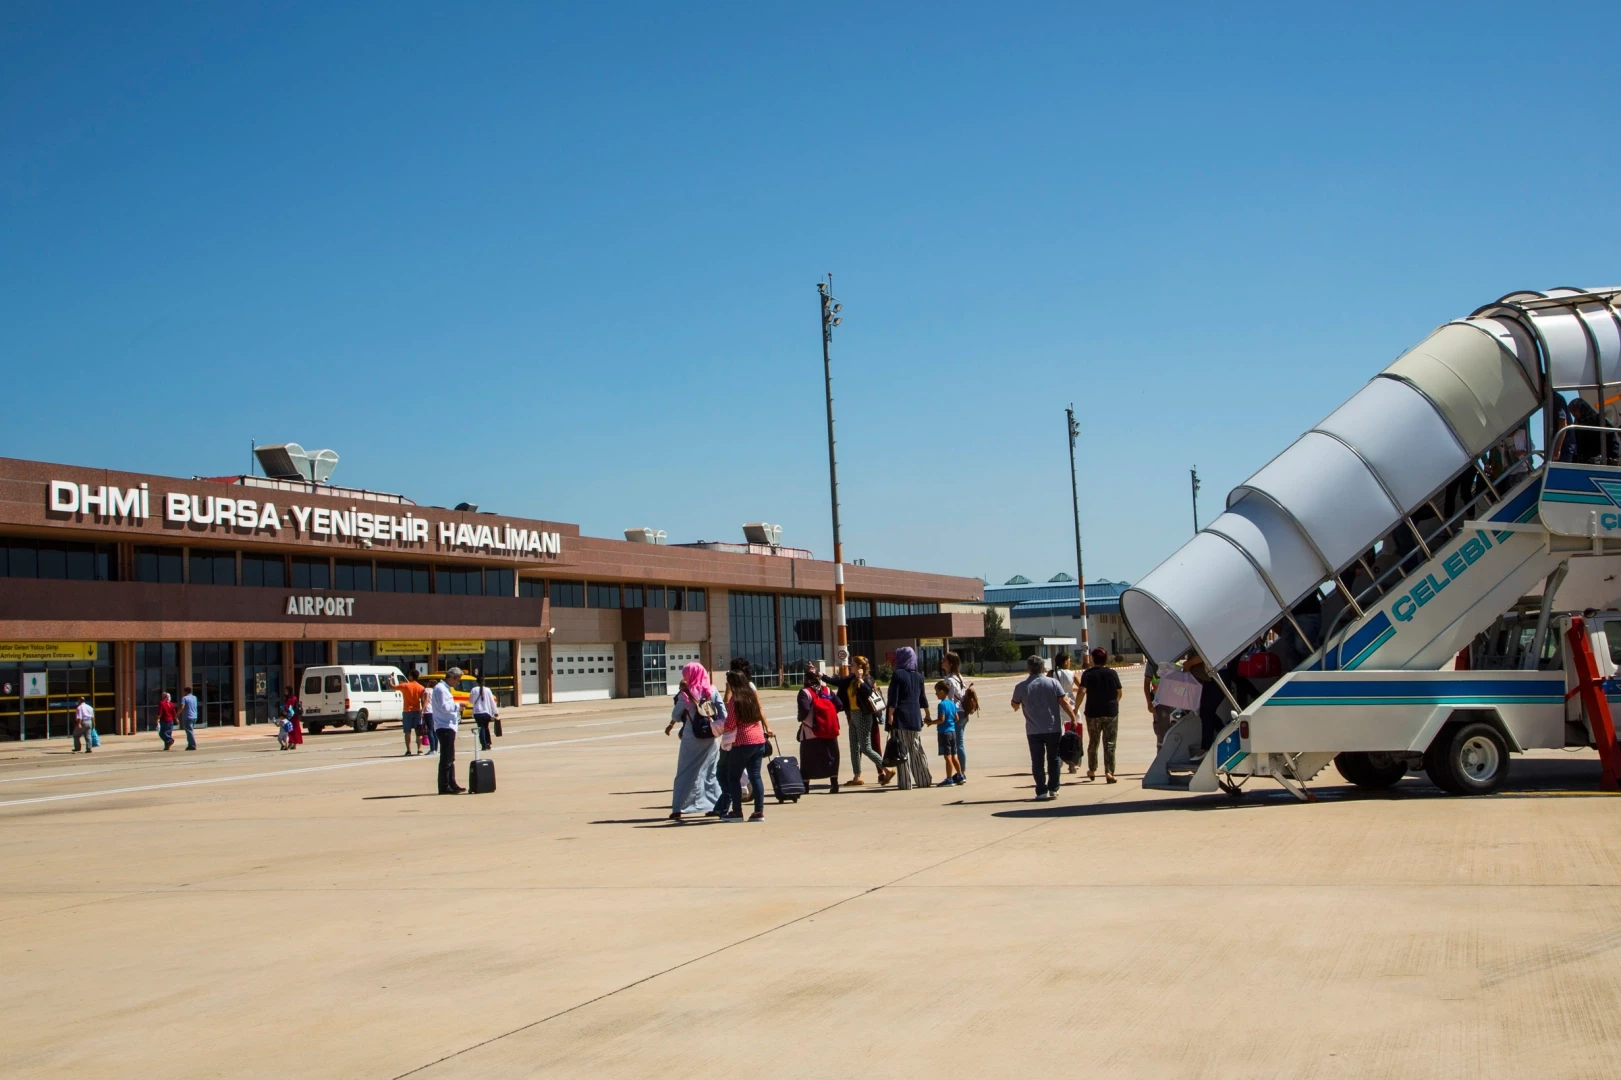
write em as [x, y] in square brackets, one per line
[700, 711]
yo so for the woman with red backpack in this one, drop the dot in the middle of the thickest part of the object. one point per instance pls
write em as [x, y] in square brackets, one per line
[818, 730]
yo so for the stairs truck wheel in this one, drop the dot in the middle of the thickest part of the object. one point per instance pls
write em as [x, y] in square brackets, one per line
[1476, 759]
[1435, 766]
[1372, 772]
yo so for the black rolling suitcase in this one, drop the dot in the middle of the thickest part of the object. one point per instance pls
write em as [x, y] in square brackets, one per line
[787, 782]
[1071, 751]
[480, 776]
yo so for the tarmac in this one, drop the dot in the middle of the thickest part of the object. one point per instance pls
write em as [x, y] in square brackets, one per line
[244, 912]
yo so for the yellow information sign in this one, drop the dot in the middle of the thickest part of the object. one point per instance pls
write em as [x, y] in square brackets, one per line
[932, 642]
[402, 648]
[49, 650]
[462, 646]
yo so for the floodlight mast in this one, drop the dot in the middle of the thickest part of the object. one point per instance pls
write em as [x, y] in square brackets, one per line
[830, 318]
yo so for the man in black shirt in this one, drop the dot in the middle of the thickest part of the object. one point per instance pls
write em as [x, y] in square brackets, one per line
[1100, 692]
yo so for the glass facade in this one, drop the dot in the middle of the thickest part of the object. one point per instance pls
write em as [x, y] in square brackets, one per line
[311, 573]
[753, 618]
[532, 587]
[356, 652]
[352, 575]
[858, 622]
[568, 594]
[599, 595]
[801, 632]
[51, 716]
[265, 571]
[213, 680]
[495, 581]
[210, 567]
[402, 577]
[261, 679]
[644, 669]
[307, 654]
[157, 668]
[159, 564]
[48, 559]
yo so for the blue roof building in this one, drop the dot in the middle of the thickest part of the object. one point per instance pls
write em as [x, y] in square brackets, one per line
[1043, 614]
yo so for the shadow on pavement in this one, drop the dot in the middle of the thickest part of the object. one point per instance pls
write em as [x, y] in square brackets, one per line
[414, 795]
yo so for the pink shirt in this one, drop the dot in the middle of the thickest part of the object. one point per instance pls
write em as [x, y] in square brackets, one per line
[746, 734]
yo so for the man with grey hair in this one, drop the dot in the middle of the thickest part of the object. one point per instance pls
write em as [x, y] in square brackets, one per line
[1044, 703]
[446, 715]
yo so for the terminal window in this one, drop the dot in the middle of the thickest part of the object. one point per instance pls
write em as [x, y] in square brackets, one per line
[213, 567]
[311, 573]
[158, 564]
[568, 593]
[601, 595]
[353, 575]
[267, 571]
[402, 577]
[44, 559]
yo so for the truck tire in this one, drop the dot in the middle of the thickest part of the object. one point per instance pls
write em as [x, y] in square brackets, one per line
[316, 729]
[360, 721]
[1472, 757]
[1370, 771]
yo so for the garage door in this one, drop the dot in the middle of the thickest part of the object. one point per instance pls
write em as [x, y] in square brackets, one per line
[678, 655]
[529, 672]
[582, 672]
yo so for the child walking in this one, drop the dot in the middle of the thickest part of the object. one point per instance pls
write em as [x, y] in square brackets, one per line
[946, 722]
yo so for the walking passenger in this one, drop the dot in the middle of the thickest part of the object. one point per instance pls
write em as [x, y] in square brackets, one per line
[1044, 704]
[818, 731]
[946, 733]
[700, 711]
[411, 693]
[84, 725]
[951, 668]
[746, 721]
[293, 709]
[447, 716]
[167, 713]
[1100, 693]
[485, 710]
[1066, 679]
[857, 689]
[188, 718]
[908, 710]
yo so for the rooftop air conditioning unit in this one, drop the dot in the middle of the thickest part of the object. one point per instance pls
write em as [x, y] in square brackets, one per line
[646, 536]
[758, 532]
[290, 461]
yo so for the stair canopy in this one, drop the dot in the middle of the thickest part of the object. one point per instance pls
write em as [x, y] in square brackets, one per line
[1316, 508]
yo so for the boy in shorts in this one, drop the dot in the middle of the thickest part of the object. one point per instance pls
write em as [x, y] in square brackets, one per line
[945, 720]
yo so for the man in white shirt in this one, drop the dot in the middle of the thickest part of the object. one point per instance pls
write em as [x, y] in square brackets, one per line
[84, 721]
[447, 716]
[482, 702]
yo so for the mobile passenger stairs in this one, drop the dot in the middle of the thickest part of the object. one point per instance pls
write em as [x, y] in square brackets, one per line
[1417, 526]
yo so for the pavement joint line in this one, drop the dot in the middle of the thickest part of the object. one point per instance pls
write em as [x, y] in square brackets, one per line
[733, 944]
[287, 772]
[347, 747]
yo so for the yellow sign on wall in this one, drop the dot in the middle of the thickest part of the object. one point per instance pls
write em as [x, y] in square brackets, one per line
[47, 650]
[462, 646]
[402, 648]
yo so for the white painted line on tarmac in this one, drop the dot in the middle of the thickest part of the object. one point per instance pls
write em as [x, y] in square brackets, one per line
[288, 772]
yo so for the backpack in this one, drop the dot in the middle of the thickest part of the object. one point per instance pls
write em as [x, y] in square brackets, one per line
[703, 712]
[823, 722]
[970, 702]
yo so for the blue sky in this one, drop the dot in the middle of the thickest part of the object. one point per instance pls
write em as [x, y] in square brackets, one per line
[562, 262]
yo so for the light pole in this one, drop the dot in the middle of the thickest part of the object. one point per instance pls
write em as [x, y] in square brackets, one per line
[830, 318]
[1194, 473]
[1075, 501]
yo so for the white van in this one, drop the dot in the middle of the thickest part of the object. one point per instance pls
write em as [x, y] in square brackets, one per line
[363, 695]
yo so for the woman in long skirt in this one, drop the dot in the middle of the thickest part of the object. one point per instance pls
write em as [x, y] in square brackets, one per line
[700, 711]
[908, 710]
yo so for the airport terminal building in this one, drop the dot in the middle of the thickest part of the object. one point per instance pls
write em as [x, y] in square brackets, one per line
[118, 586]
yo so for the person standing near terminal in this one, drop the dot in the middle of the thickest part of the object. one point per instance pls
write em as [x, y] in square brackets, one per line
[167, 714]
[701, 712]
[1044, 704]
[1100, 693]
[188, 718]
[746, 723]
[447, 716]
[908, 711]
[293, 710]
[84, 725]
[411, 693]
[482, 702]
[951, 669]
